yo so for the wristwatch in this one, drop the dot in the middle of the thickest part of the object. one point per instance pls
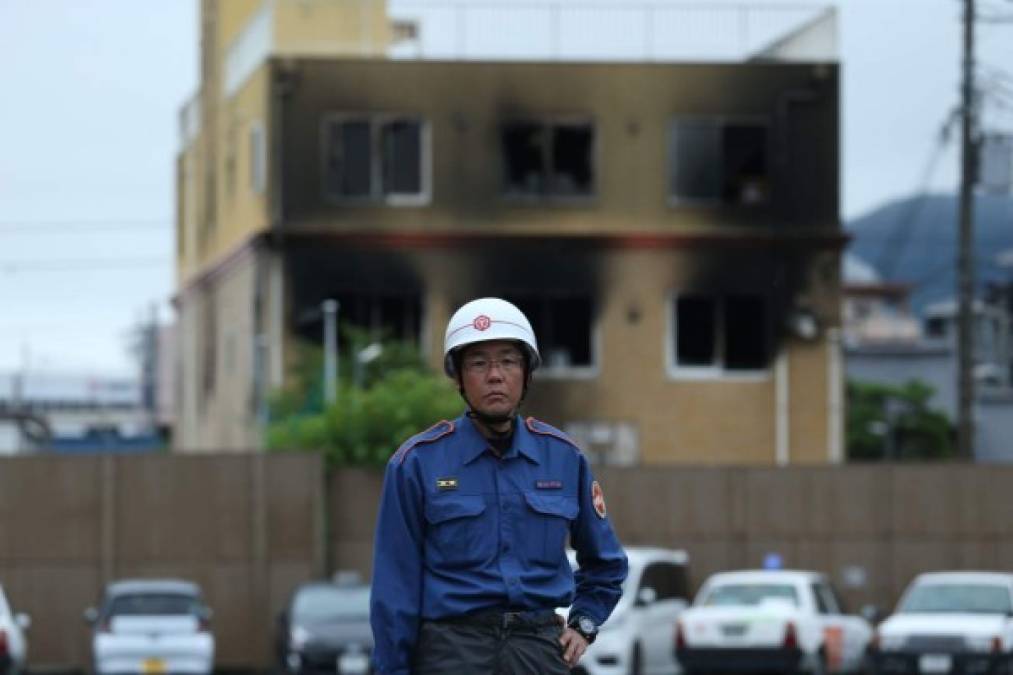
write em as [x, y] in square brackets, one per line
[585, 626]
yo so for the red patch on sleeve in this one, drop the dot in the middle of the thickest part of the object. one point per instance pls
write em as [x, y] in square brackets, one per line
[598, 499]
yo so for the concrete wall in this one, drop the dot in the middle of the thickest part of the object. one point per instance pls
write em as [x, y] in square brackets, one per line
[247, 529]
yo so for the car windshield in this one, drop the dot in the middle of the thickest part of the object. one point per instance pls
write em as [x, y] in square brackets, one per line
[738, 595]
[154, 604]
[945, 598]
[322, 603]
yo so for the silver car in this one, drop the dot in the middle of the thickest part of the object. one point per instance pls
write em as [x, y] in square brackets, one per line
[152, 627]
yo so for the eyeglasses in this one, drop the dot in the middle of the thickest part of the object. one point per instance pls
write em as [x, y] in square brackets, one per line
[507, 364]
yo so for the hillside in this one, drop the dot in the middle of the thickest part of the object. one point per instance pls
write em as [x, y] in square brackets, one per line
[915, 241]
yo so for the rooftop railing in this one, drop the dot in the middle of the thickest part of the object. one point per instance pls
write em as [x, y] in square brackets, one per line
[588, 30]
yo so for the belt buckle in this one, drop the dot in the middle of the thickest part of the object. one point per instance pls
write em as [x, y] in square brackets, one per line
[510, 618]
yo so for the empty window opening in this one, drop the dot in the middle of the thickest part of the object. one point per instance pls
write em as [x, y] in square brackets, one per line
[716, 161]
[381, 316]
[373, 158]
[564, 329]
[554, 159]
[728, 332]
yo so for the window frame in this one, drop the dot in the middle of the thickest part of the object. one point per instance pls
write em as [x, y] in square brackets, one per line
[376, 196]
[257, 148]
[549, 122]
[721, 121]
[716, 371]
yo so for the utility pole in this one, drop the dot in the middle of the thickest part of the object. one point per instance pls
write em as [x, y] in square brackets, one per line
[965, 253]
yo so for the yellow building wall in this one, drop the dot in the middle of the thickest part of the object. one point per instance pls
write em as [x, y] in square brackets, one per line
[242, 211]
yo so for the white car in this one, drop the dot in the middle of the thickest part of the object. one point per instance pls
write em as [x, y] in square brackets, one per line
[959, 622]
[637, 638]
[13, 647]
[770, 620]
[152, 626]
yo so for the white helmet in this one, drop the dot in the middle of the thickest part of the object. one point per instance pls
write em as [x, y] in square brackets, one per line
[484, 320]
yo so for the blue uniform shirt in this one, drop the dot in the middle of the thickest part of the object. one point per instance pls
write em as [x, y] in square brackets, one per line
[461, 530]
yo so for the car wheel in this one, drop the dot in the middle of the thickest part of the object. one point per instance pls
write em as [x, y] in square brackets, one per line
[636, 660]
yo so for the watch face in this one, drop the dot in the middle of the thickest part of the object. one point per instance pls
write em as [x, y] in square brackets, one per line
[586, 625]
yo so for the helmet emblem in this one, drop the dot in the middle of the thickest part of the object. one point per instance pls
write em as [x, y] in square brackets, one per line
[481, 322]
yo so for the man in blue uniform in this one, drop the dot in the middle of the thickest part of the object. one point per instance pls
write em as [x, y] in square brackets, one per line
[470, 562]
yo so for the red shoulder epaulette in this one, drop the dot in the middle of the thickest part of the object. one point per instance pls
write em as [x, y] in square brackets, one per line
[540, 427]
[433, 433]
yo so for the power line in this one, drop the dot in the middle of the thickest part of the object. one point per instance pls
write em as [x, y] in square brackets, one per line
[44, 225]
[901, 232]
[81, 264]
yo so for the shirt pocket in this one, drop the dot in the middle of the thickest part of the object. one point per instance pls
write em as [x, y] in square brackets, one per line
[549, 519]
[458, 532]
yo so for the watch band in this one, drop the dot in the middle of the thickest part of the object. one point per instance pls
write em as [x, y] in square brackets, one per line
[584, 625]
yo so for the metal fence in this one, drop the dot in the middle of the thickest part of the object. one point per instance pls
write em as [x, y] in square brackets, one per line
[248, 528]
[871, 528]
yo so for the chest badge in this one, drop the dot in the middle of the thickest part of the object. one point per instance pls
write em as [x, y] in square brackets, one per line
[446, 483]
[598, 499]
[548, 484]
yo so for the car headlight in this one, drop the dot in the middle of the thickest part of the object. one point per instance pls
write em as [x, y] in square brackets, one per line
[299, 636]
[889, 643]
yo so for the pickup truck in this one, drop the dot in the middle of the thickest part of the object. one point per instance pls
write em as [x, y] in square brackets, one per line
[786, 621]
[949, 622]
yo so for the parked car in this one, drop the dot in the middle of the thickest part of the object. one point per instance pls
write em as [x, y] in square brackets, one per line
[637, 637]
[13, 647]
[152, 626]
[770, 620]
[959, 622]
[325, 629]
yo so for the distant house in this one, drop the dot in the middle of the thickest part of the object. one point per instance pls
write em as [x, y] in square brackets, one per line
[885, 343]
[670, 226]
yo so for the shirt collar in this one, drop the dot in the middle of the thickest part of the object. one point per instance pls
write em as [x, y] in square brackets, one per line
[476, 443]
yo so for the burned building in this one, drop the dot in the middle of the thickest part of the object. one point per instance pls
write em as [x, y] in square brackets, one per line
[671, 229]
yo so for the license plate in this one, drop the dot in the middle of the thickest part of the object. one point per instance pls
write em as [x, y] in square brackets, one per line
[733, 629]
[153, 666]
[353, 664]
[935, 663]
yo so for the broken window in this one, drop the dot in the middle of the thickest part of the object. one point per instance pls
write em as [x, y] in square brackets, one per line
[374, 157]
[727, 332]
[548, 158]
[712, 160]
[563, 325]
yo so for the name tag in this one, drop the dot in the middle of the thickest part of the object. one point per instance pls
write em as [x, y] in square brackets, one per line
[549, 484]
[446, 483]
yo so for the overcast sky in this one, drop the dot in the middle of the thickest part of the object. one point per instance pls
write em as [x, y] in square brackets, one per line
[88, 136]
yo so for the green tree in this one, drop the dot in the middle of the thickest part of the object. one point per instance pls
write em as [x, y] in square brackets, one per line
[378, 407]
[896, 422]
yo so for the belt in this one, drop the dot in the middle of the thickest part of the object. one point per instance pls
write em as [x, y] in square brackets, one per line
[503, 619]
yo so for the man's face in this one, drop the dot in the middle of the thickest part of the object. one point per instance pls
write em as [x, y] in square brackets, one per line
[492, 374]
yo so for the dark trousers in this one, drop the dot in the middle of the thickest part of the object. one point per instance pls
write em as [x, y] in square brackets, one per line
[490, 645]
